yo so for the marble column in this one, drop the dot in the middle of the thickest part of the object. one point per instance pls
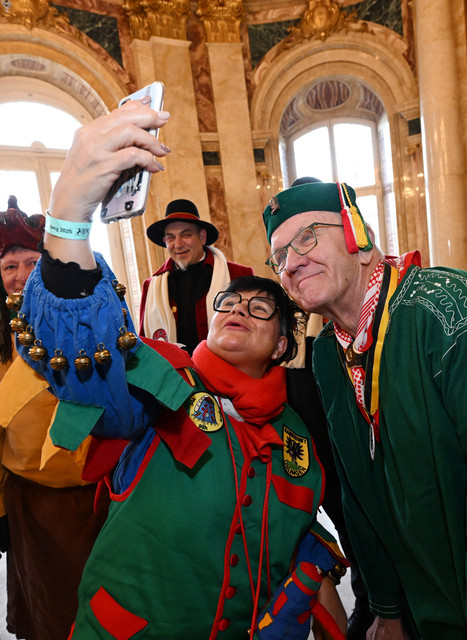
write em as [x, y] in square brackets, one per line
[442, 135]
[236, 151]
[168, 60]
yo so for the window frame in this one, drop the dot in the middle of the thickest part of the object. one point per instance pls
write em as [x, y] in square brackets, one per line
[374, 189]
[44, 161]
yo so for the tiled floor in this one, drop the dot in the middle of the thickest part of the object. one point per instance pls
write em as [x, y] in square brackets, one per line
[345, 590]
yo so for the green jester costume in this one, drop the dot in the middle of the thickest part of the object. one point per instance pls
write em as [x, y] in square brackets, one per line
[213, 478]
[395, 396]
[406, 508]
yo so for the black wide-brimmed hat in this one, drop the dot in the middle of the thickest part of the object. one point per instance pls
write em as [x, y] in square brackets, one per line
[180, 211]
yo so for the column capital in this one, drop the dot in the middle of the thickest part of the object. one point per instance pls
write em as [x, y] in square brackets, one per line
[221, 19]
[163, 18]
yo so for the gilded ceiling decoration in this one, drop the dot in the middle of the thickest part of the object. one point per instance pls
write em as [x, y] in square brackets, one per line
[321, 19]
[32, 13]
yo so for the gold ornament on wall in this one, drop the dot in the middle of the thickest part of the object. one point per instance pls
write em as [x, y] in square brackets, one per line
[321, 19]
[221, 19]
[163, 18]
[32, 13]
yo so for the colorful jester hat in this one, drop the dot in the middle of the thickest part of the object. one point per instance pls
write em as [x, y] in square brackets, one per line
[336, 197]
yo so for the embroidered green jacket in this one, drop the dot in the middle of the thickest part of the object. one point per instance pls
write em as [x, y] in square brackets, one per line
[406, 509]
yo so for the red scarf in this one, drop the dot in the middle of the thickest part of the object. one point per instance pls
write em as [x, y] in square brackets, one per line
[256, 400]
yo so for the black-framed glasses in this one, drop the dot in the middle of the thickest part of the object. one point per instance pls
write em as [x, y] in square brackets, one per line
[258, 306]
[302, 243]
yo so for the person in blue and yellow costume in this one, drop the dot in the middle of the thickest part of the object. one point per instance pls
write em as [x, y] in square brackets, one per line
[50, 524]
[391, 371]
[214, 480]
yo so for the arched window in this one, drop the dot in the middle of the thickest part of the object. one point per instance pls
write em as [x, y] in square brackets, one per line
[337, 130]
[34, 140]
[346, 151]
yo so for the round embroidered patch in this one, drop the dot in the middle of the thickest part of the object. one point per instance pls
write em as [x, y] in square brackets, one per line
[205, 412]
[160, 334]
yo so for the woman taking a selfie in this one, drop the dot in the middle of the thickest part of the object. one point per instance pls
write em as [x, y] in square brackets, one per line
[213, 478]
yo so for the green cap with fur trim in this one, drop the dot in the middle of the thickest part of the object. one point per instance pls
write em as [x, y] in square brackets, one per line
[320, 196]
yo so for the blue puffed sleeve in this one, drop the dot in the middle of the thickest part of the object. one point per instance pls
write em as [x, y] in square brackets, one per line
[114, 399]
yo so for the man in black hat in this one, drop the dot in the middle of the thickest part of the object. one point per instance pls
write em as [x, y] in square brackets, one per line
[176, 303]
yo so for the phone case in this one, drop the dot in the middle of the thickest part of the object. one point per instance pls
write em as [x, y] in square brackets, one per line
[127, 198]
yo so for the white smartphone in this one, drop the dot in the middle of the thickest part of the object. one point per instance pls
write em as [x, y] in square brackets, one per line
[128, 196]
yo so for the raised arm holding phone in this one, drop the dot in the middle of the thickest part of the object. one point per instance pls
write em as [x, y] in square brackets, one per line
[214, 480]
[101, 150]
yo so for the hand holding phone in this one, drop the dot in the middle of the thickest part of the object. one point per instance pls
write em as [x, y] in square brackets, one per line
[127, 198]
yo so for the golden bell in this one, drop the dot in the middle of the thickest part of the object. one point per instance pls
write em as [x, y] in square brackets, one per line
[83, 361]
[37, 352]
[18, 324]
[125, 312]
[26, 337]
[126, 339]
[14, 301]
[119, 289]
[58, 361]
[102, 354]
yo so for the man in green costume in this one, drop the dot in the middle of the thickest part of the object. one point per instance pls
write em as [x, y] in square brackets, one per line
[391, 370]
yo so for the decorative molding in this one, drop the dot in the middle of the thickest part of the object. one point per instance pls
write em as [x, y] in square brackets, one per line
[221, 19]
[267, 11]
[32, 13]
[209, 141]
[414, 144]
[327, 94]
[260, 139]
[162, 18]
[329, 98]
[39, 14]
[210, 146]
[410, 111]
[321, 19]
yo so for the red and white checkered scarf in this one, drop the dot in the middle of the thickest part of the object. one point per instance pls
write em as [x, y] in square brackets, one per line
[364, 338]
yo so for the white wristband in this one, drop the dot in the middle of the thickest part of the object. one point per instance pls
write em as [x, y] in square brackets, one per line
[67, 228]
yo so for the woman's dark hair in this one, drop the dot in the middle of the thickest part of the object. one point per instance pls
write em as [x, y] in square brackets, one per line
[291, 316]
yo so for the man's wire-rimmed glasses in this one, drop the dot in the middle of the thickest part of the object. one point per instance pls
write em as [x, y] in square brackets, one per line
[303, 242]
[258, 306]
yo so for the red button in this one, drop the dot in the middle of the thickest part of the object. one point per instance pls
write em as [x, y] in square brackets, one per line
[251, 472]
[224, 624]
[230, 592]
[233, 560]
[238, 529]
[247, 500]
